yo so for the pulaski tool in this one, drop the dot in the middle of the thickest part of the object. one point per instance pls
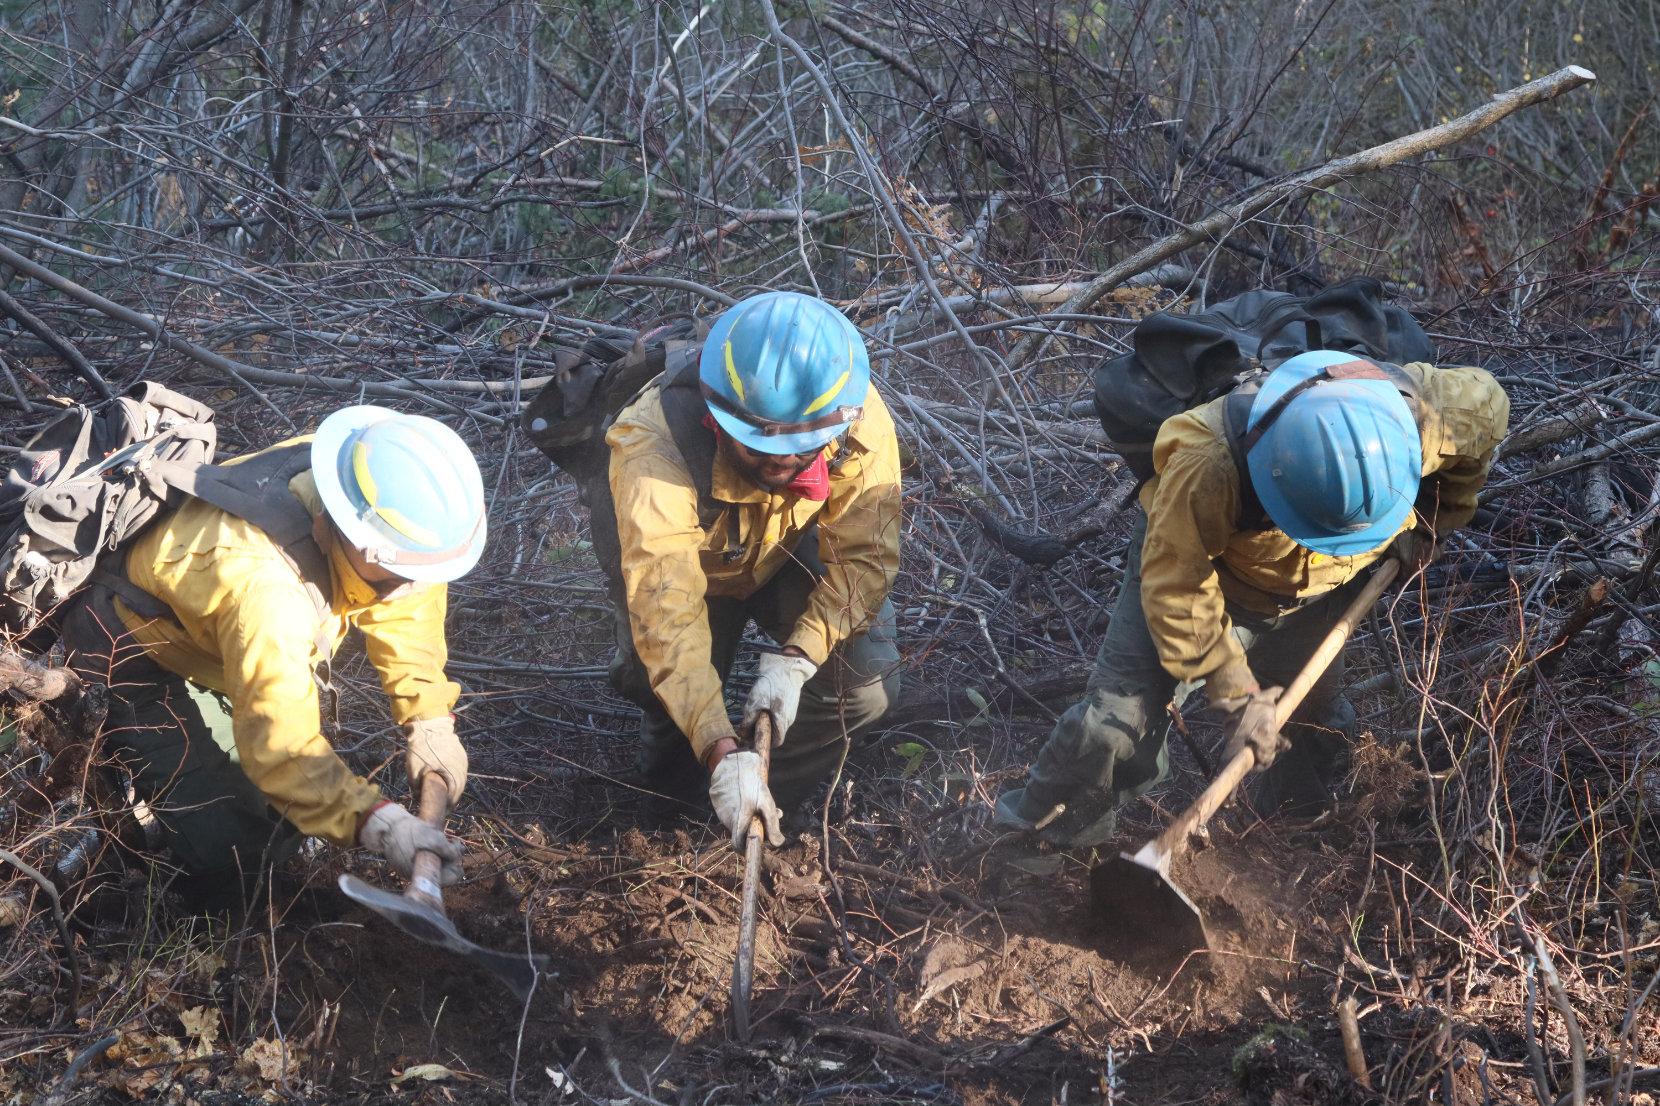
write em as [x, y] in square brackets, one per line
[743, 968]
[1136, 892]
[419, 911]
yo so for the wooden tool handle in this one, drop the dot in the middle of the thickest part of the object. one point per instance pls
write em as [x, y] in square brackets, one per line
[763, 741]
[1292, 697]
[755, 837]
[1170, 844]
[426, 876]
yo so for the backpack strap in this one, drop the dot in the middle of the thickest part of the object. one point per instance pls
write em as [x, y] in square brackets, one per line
[1236, 411]
[684, 410]
[1243, 437]
[256, 491]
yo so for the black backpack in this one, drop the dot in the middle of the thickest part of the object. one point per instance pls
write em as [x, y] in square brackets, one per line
[567, 420]
[1182, 361]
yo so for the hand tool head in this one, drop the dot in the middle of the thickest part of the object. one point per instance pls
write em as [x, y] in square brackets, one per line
[1146, 912]
[427, 923]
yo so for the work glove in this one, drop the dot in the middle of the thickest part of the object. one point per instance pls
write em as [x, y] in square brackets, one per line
[1416, 549]
[434, 747]
[1251, 724]
[779, 679]
[737, 792]
[398, 835]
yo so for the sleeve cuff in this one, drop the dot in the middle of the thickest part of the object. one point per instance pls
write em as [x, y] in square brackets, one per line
[1232, 680]
[812, 645]
[342, 825]
[708, 734]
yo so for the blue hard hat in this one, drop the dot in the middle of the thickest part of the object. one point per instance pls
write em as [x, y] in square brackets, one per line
[403, 489]
[1338, 468]
[784, 373]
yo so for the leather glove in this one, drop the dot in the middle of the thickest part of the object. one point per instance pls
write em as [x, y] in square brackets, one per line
[433, 746]
[1416, 548]
[398, 835]
[778, 682]
[737, 792]
[1251, 725]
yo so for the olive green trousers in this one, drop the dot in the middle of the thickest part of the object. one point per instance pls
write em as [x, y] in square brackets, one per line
[175, 741]
[853, 689]
[1112, 745]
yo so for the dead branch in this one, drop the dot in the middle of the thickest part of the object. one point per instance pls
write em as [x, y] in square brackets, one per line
[1366, 161]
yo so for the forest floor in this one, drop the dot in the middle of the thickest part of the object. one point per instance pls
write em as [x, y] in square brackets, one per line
[976, 973]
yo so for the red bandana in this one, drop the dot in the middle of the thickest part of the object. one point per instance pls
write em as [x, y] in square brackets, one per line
[814, 481]
[812, 484]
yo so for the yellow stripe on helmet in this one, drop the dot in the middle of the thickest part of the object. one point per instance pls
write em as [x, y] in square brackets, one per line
[360, 470]
[732, 373]
[407, 526]
[824, 400]
[394, 518]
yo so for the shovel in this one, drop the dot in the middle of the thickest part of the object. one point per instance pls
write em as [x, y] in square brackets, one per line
[743, 968]
[1136, 892]
[419, 911]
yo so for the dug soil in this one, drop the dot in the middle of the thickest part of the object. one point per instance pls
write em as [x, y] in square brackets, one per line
[982, 977]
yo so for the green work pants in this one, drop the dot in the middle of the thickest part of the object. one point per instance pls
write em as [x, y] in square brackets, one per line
[849, 692]
[175, 741]
[1111, 746]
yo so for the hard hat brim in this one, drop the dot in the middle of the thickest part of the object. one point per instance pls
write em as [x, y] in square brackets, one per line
[808, 441]
[331, 437]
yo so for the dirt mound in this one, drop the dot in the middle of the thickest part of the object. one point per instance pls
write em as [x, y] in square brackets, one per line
[1002, 982]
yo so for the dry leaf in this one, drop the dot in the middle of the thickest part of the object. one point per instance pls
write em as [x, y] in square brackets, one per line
[430, 1073]
[947, 964]
[209, 964]
[270, 1059]
[144, 1061]
[201, 1023]
[158, 990]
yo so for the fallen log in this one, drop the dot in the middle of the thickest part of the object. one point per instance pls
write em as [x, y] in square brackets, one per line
[34, 682]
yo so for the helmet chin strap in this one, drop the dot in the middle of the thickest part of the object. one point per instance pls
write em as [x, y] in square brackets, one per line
[327, 535]
[841, 416]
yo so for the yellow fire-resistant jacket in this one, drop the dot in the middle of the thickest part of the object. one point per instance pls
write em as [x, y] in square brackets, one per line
[1193, 504]
[670, 563]
[248, 629]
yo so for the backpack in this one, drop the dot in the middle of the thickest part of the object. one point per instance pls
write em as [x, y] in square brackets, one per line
[1180, 361]
[568, 419]
[83, 486]
[93, 480]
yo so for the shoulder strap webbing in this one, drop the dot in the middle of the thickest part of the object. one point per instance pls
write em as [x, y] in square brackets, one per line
[250, 490]
[256, 491]
[684, 410]
[1236, 410]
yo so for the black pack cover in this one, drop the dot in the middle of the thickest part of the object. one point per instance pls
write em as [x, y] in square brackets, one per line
[1181, 361]
[568, 418]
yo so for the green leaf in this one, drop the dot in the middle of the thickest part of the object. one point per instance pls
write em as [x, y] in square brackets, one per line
[913, 752]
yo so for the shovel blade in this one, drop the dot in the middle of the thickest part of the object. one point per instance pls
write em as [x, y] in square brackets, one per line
[1146, 911]
[429, 924]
